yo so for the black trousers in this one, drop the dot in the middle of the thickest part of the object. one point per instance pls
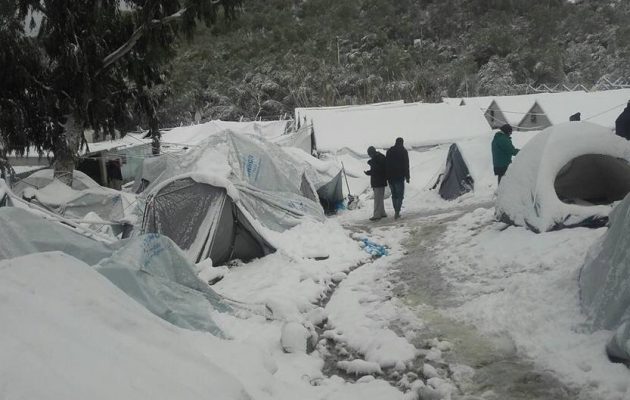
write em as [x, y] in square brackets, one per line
[499, 172]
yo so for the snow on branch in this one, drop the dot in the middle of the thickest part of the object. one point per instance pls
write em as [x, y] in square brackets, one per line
[137, 34]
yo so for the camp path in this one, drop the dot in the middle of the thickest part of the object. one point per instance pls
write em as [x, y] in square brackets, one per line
[469, 364]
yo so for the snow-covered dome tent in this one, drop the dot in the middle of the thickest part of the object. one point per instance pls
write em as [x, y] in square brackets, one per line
[222, 198]
[605, 283]
[569, 175]
[40, 179]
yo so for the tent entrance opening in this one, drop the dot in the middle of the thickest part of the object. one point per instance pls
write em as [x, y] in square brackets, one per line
[593, 179]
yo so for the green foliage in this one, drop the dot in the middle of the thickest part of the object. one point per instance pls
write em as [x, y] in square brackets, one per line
[287, 53]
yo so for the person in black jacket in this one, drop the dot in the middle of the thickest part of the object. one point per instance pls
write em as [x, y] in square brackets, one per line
[378, 181]
[622, 124]
[397, 166]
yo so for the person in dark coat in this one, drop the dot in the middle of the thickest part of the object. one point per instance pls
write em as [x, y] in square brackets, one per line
[397, 173]
[114, 174]
[502, 151]
[378, 181]
[622, 123]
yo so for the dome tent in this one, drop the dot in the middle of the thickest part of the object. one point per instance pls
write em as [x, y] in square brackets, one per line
[605, 283]
[569, 175]
[219, 199]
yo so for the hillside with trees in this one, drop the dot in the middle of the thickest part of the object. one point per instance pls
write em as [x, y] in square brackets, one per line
[281, 54]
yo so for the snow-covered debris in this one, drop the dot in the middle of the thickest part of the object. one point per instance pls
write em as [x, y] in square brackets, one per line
[568, 175]
[294, 337]
[68, 333]
[360, 367]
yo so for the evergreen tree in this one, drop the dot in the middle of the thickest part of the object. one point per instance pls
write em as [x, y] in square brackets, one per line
[91, 64]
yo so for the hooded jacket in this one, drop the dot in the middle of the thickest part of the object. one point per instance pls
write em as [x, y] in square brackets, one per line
[502, 150]
[377, 172]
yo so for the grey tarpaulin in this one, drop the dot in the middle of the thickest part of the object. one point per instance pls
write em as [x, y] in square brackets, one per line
[155, 273]
[456, 179]
[605, 282]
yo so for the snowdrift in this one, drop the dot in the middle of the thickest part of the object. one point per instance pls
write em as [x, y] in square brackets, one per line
[568, 175]
[605, 282]
[68, 333]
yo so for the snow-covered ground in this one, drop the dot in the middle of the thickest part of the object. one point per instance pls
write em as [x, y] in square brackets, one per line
[322, 318]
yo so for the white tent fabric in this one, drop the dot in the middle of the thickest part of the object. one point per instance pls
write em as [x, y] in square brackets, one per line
[605, 282]
[312, 113]
[567, 175]
[419, 124]
[602, 107]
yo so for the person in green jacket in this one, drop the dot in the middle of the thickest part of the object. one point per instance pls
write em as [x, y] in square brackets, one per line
[502, 150]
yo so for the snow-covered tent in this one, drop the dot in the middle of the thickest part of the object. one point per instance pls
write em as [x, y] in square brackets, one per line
[325, 174]
[149, 268]
[24, 233]
[456, 179]
[44, 177]
[155, 273]
[418, 123]
[110, 205]
[568, 175]
[605, 283]
[205, 218]
[218, 200]
[308, 115]
[509, 109]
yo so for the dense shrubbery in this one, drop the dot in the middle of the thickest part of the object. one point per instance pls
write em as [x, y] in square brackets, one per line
[287, 53]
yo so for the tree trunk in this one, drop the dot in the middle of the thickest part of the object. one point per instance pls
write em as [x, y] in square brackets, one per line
[66, 148]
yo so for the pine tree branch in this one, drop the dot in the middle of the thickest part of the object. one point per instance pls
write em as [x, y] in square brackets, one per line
[137, 34]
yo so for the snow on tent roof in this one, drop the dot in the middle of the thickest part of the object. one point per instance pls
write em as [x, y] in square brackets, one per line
[311, 113]
[80, 337]
[481, 102]
[44, 177]
[195, 134]
[514, 108]
[453, 101]
[598, 107]
[568, 175]
[418, 123]
[24, 233]
[605, 282]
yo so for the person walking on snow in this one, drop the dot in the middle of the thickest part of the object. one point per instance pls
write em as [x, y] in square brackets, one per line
[378, 181]
[622, 123]
[502, 151]
[397, 173]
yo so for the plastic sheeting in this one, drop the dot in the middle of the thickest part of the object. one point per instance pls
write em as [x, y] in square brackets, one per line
[24, 233]
[108, 204]
[44, 177]
[605, 282]
[152, 270]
